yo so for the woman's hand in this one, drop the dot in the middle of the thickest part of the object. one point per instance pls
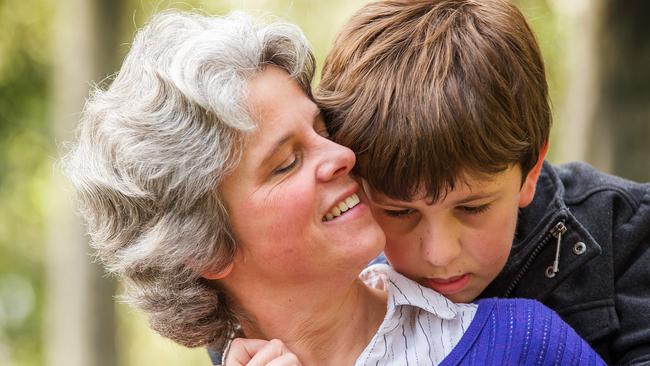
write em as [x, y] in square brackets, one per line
[258, 352]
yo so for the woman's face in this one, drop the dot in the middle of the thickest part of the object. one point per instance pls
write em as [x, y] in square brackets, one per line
[282, 197]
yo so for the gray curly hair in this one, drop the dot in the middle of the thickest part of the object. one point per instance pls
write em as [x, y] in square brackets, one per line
[152, 150]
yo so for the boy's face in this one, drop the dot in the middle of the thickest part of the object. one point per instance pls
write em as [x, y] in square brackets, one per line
[459, 244]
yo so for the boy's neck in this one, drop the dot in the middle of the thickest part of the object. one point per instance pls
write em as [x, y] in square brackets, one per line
[323, 327]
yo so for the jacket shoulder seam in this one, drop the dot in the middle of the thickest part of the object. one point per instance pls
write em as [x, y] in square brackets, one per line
[623, 193]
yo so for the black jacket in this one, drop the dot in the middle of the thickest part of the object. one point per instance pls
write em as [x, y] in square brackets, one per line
[602, 286]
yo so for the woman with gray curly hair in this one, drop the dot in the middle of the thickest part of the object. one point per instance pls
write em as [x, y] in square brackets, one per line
[211, 187]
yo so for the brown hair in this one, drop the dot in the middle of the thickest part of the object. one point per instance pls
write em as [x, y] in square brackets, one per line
[426, 92]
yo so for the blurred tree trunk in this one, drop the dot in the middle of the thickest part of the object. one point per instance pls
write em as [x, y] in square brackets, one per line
[580, 77]
[79, 323]
[620, 135]
[605, 116]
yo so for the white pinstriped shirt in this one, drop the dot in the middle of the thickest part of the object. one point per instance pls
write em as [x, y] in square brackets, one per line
[421, 326]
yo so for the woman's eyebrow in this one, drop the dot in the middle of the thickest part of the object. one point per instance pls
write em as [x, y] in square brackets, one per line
[283, 140]
[275, 147]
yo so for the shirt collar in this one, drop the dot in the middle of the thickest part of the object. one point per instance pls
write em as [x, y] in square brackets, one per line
[403, 291]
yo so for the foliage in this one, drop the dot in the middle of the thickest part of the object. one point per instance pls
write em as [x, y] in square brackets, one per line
[24, 147]
[547, 25]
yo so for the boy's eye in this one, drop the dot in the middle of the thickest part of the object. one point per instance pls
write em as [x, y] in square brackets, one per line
[287, 166]
[399, 213]
[474, 210]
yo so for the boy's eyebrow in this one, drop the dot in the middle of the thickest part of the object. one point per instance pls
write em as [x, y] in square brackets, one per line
[382, 200]
[474, 197]
[395, 202]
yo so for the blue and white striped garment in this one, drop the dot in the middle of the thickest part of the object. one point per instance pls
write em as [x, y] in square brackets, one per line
[421, 327]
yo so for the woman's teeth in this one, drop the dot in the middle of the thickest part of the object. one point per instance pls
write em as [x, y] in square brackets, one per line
[341, 207]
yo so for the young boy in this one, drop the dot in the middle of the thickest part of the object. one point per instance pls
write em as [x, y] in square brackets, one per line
[445, 103]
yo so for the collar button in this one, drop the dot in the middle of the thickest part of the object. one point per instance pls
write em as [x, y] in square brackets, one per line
[579, 248]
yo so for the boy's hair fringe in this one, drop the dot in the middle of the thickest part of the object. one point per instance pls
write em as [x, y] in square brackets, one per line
[430, 92]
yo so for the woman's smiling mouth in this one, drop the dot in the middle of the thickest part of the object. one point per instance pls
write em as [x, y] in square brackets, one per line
[342, 207]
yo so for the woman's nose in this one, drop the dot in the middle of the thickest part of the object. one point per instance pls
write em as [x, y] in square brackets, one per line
[337, 160]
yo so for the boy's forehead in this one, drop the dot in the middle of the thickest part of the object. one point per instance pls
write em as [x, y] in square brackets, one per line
[381, 197]
[467, 186]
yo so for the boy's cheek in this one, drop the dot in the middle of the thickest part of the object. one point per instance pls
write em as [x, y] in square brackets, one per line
[375, 212]
[401, 262]
[387, 225]
[397, 228]
[402, 256]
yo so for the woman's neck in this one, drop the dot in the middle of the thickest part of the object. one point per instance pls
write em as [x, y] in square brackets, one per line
[321, 327]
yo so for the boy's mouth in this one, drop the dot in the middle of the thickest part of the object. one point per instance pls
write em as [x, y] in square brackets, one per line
[341, 207]
[448, 286]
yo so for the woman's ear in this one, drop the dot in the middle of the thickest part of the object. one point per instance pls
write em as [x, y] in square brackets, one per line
[527, 191]
[217, 275]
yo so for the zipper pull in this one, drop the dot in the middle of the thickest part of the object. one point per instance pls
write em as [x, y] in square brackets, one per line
[557, 232]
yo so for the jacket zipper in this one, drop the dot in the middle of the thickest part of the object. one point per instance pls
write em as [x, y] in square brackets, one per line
[556, 232]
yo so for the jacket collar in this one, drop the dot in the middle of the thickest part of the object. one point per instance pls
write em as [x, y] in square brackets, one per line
[529, 256]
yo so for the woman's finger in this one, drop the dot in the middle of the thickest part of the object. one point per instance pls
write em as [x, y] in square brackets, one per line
[242, 350]
[271, 351]
[287, 359]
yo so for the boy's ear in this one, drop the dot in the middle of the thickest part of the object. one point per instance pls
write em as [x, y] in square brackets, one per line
[217, 275]
[527, 192]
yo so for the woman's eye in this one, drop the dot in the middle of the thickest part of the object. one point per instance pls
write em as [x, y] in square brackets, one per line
[474, 210]
[399, 213]
[286, 166]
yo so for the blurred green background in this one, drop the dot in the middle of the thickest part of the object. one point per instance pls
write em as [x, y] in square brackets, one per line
[56, 308]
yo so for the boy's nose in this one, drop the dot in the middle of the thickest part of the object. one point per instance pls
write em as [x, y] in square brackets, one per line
[440, 247]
